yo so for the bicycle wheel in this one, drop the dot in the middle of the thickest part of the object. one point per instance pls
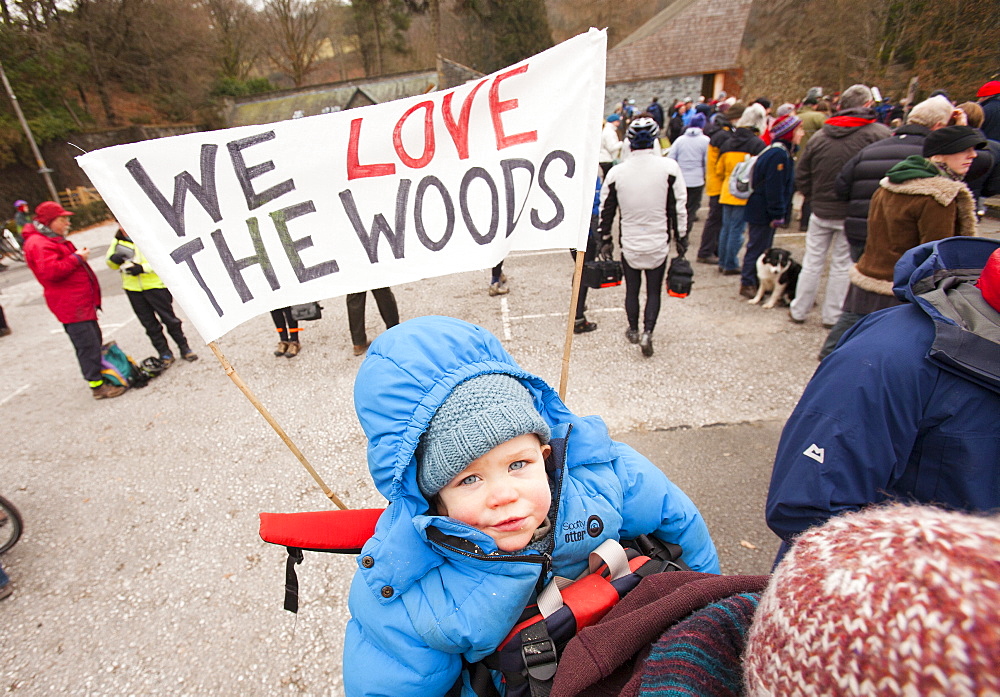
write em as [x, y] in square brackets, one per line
[11, 525]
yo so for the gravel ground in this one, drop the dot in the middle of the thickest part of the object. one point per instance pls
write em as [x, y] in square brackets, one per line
[141, 572]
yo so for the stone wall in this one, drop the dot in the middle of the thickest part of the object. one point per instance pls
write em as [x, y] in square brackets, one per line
[668, 89]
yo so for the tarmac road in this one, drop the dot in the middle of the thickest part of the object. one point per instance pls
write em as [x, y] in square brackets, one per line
[141, 572]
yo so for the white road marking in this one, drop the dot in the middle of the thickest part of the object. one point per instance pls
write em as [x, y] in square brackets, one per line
[505, 317]
[15, 393]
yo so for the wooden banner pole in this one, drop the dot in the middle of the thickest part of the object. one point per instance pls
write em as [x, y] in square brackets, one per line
[577, 276]
[234, 376]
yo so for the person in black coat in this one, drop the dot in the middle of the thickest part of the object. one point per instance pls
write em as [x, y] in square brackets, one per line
[859, 178]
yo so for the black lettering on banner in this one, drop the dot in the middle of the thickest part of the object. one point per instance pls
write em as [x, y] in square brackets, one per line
[235, 266]
[245, 174]
[543, 185]
[204, 192]
[418, 213]
[463, 201]
[185, 254]
[508, 181]
[293, 247]
[369, 240]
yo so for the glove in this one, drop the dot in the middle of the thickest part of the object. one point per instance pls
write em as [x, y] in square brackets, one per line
[117, 258]
[606, 248]
[682, 245]
[780, 222]
[134, 269]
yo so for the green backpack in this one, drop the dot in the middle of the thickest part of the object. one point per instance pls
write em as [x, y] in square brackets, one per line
[118, 368]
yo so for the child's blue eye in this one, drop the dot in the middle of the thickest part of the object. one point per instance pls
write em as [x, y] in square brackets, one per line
[471, 479]
[514, 466]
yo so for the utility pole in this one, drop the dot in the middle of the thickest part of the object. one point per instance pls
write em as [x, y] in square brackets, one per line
[42, 169]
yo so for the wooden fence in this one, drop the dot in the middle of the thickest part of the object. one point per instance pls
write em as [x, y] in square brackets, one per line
[80, 196]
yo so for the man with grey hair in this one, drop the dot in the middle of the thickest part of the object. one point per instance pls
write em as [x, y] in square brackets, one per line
[845, 133]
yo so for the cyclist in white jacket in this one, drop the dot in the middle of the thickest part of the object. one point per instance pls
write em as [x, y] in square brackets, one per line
[652, 196]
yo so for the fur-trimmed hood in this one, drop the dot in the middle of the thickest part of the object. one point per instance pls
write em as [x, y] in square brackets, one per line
[941, 189]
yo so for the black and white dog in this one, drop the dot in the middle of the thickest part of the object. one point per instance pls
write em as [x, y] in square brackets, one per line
[777, 274]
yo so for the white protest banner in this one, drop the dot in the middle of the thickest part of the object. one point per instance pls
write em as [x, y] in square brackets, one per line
[240, 221]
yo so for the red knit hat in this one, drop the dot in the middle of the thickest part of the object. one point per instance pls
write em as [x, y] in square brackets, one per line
[894, 600]
[47, 211]
[989, 281]
[989, 89]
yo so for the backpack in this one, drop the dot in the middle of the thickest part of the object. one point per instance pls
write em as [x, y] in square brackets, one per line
[118, 368]
[741, 178]
[680, 277]
[529, 656]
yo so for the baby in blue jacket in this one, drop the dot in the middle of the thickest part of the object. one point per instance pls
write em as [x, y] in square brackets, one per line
[491, 482]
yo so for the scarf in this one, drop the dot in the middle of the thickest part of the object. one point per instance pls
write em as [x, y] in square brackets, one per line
[849, 121]
[47, 231]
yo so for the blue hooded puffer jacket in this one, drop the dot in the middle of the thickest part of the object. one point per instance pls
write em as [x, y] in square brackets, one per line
[431, 590]
[905, 408]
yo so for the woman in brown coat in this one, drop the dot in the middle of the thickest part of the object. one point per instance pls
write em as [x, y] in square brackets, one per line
[921, 199]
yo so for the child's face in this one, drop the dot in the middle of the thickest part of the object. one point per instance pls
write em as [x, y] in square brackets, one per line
[505, 493]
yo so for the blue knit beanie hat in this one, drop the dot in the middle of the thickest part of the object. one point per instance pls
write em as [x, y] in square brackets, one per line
[478, 415]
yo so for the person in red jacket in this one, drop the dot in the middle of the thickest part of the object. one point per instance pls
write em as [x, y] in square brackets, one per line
[71, 289]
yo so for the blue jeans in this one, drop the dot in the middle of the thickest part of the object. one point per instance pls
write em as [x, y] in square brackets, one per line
[4, 578]
[731, 237]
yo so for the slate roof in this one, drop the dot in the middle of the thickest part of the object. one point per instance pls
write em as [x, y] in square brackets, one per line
[691, 37]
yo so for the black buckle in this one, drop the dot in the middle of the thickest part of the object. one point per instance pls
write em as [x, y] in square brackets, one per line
[538, 652]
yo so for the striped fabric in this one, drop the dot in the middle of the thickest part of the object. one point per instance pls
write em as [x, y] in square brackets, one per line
[700, 656]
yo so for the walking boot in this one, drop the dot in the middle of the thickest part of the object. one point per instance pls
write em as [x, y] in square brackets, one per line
[632, 335]
[282, 348]
[107, 391]
[359, 349]
[188, 355]
[646, 344]
[293, 349]
[582, 326]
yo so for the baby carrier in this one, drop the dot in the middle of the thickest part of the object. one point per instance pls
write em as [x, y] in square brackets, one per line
[529, 656]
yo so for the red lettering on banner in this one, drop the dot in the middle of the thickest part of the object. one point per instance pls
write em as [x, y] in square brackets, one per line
[497, 107]
[355, 170]
[397, 137]
[460, 131]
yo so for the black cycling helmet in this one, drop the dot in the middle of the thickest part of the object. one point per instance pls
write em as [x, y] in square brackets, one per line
[642, 132]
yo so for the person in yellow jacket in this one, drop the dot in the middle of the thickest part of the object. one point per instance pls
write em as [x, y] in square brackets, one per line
[743, 141]
[149, 297]
[719, 129]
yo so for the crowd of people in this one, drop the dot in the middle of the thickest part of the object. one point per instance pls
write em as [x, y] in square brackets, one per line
[875, 179]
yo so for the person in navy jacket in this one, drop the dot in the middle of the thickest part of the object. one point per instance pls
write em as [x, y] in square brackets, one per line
[905, 408]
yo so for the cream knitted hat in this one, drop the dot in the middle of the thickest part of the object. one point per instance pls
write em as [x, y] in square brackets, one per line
[891, 601]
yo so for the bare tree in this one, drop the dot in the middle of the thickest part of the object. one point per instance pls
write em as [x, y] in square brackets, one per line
[296, 35]
[236, 32]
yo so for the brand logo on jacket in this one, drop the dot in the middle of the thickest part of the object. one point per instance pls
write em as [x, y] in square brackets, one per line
[815, 452]
[595, 526]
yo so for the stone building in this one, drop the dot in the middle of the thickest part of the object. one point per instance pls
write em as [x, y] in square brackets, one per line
[688, 50]
[336, 96]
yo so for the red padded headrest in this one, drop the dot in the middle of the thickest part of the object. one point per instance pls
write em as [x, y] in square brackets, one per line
[332, 531]
[989, 281]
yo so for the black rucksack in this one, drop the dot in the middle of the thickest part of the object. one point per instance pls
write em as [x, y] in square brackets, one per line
[680, 277]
